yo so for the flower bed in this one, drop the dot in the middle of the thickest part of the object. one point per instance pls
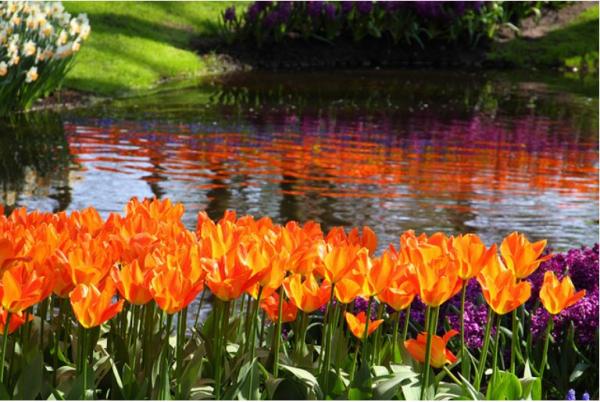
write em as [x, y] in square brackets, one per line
[90, 304]
[37, 44]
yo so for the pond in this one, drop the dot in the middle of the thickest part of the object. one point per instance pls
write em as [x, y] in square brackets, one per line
[432, 151]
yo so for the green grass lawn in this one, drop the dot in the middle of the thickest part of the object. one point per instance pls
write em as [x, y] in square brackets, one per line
[575, 45]
[133, 45]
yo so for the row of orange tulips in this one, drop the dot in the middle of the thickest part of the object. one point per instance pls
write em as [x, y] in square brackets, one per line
[130, 264]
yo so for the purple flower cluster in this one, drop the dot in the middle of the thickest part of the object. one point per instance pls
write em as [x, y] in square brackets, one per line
[229, 15]
[475, 322]
[572, 396]
[582, 266]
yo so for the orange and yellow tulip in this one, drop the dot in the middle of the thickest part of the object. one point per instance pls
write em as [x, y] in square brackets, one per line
[471, 255]
[307, 295]
[521, 256]
[16, 320]
[22, 287]
[171, 289]
[501, 289]
[558, 295]
[133, 283]
[270, 305]
[437, 275]
[357, 324]
[338, 261]
[440, 355]
[227, 278]
[94, 305]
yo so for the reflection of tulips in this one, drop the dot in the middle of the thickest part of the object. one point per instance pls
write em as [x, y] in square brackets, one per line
[128, 276]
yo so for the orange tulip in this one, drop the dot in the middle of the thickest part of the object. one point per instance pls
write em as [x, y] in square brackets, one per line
[171, 288]
[93, 305]
[521, 256]
[437, 275]
[349, 287]
[9, 254]
[271, 306]
[558, 295]
[401, 292]
[227, 278]
[22, 287]
[307, 295]
[357, 324]
[338, 261]
[471, 255]
[16, 320]
[440, 355]
[381, 273]
[501, 289]
[133, 283]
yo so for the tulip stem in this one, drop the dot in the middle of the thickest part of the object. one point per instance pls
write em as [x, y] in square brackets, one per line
[83, 359]
[4, 344]
[200, 308]
[425, 375]
[278, 334]
[330, 321]
[514, 342]
[217, 337]
[549, 327]
[452, 376]
[484, 350]
[377, 336]
[365, 337]
[463, 350]
[495, 356]
[253, 337]
[164, 391]
[181, 326]
[406, 322]
[395, 337]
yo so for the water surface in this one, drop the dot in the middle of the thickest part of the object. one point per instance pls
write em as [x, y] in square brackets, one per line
[458, 152]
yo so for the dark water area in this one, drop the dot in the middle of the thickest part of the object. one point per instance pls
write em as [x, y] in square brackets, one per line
[458, 152]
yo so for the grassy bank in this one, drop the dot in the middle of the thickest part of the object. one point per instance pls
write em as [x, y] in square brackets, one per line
[134, 45]
[574, 45]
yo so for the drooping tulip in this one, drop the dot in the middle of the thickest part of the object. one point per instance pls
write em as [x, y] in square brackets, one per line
[501, 289]
[521, 256]
[558, 295]
[94, 305]
[440, 355]
[357, 324]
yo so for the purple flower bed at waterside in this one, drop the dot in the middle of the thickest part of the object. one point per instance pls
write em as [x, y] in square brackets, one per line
[410, 23]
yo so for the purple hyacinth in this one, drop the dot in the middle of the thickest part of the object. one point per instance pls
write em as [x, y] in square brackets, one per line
[364, 7]
[329, 10]
[361, 305]
[475, 322]
[347, 6]
[271, 19]
[585, 396]
[571, 396]
[428, 9]
[229, 15]
[253, 11]
[390, 6]
[314, 8]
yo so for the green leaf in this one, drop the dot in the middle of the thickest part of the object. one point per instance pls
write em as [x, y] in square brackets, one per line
[30, 381]
[390, 384]
[288, 389]
[532, 386]
[305, 377]
[506, 387]
[358, 394]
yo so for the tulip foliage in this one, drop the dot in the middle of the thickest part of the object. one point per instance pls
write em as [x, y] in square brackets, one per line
[139, 307]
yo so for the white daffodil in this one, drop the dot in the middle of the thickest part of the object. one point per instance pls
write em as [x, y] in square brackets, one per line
[29, 48]
[32, 75]
[62, 38]
[14, 60]
[47, 30]
[76, 46]
[85, 31]
[3, 68]
[75, 27]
